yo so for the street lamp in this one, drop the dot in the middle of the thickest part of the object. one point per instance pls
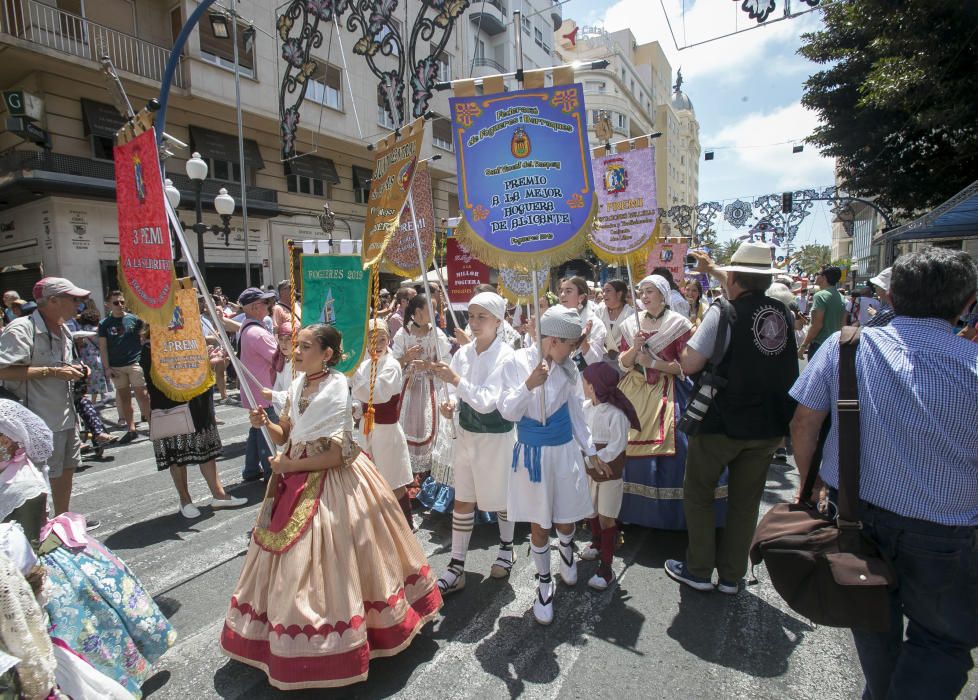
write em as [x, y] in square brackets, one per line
[223, 203]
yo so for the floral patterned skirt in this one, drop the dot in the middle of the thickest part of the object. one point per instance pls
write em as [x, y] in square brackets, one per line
[99, 610]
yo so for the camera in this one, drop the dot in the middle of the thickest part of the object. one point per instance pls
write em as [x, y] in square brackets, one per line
[691, 261]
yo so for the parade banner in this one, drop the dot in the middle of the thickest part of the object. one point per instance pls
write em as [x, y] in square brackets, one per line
[627, 218]
[465, 273]
[181, 366]
[402, 252]
[517, 286]
[145, 255]
[334, 291]
[394, 165]
[671, 255]
[524, 175]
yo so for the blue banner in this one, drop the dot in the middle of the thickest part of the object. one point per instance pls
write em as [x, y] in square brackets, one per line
[526, 193]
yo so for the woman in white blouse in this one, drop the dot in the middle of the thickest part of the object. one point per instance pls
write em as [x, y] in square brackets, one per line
[574, 295]
[613, 312]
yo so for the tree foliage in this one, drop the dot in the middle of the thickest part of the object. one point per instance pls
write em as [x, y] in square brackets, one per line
[896, 99]
[812, 258]
[724, 251]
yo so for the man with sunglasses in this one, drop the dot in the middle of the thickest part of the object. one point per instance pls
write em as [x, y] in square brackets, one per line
[37, 364]
[120, 345]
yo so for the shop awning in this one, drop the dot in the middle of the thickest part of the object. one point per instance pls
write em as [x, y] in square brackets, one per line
[213, 144]
[956, 218]
[313, 167]
[101, 119]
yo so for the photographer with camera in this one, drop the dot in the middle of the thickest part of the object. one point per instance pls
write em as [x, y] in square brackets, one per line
[739, 430]
[36, 364]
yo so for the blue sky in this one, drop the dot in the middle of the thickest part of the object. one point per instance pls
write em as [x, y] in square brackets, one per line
[746, 90]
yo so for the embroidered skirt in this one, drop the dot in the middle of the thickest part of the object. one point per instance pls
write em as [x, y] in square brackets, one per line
[653, 481]
[334, 580]
[182, 450]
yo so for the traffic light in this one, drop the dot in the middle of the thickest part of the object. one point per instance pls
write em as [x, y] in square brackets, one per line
[786, 202]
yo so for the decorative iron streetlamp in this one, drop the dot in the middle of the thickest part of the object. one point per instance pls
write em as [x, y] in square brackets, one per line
[223, 203]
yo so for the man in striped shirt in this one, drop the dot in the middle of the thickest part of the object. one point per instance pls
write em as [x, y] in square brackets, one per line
[918, 471]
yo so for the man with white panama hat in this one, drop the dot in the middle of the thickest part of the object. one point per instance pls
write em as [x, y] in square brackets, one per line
[885, 314]
[746, 421]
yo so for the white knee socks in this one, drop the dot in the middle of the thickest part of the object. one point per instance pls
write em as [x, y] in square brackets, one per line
[461, 534]
[541, 558]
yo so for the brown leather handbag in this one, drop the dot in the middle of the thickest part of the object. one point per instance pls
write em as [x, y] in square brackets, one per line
[825, 568]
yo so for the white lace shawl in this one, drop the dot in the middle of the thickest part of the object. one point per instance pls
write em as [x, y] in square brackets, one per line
[26, 429]
[20, 481]
[23, 632]
[329, 413]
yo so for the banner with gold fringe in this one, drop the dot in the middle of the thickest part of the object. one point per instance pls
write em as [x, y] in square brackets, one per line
[181, 366]
[394, 165]
[401, 256]
[145, 255]
[526, 193]
[627, 225]
[517, 285]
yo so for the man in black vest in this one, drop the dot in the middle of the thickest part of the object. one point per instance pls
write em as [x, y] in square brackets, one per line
[746, 421]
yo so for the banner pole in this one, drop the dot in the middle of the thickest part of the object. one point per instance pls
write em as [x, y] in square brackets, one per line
[431, 311]
[631, 282]
[536, 322]
[212, 310]
[421, 262]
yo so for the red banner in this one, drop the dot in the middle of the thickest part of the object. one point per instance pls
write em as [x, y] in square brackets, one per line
[671, 255]
[145, 255]
[465, 273]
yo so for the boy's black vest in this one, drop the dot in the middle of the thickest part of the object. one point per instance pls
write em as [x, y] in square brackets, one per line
[760, 366]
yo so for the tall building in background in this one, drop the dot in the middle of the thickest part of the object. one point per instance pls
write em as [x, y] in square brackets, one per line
[57, 204]
[636, 90]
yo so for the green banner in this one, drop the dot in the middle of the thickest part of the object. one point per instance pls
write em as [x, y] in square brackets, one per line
[335, 291]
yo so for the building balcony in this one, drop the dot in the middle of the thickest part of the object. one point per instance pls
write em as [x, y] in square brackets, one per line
[45, 26]
[489, 17]
[556, 14]
[27, 175]
[481, 67]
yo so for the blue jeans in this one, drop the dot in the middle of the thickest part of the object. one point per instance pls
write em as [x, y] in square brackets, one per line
[257, 452]
[937, 591]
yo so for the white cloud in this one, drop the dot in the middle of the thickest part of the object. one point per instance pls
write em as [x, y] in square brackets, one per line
[772, 167]
[744, 56]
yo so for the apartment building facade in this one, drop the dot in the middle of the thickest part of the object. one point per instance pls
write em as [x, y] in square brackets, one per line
[57, 208]
[636, 90]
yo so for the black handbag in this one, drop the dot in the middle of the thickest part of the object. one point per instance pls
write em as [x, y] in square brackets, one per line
[824, 567]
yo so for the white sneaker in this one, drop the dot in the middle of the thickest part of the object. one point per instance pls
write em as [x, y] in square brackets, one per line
[589, 553]
[189, 511]
[598, 582]
[229, 502]
[568, 569]
[543, 606]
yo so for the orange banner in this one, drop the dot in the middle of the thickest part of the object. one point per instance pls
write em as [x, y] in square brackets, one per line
[394, 166]
[181, 364]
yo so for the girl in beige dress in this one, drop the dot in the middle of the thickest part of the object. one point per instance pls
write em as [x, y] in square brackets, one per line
[333, 576]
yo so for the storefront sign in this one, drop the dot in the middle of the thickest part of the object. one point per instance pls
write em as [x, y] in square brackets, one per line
[334, 291]
[394, 167]
[145, 254]
[465, 273]
[524, 175]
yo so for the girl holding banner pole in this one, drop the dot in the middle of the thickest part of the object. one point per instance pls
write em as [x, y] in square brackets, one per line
[415, 346]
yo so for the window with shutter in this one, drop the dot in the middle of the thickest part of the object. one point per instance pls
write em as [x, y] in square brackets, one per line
[221, 51]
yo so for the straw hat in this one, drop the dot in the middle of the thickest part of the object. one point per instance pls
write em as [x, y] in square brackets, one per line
[752, 258]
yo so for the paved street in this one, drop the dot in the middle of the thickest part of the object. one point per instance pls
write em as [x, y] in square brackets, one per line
[645, 638]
